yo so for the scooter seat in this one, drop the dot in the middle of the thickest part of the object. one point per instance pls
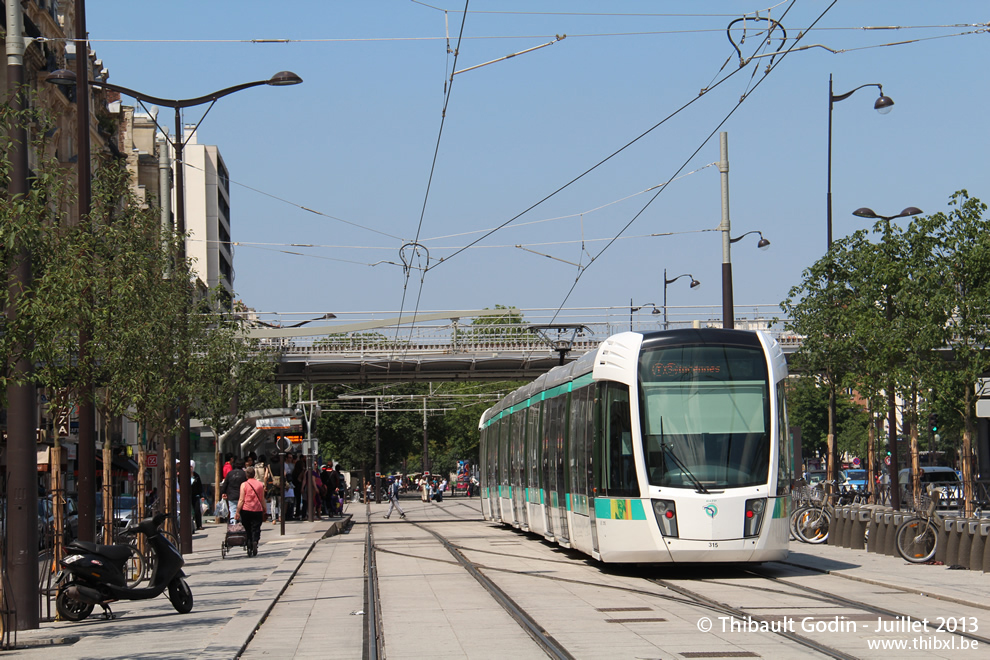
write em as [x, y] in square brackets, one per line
[116, 553]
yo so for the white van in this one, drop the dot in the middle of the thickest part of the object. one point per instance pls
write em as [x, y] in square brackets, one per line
[933, 474]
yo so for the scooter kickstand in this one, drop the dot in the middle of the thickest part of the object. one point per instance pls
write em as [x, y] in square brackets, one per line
[107, 612]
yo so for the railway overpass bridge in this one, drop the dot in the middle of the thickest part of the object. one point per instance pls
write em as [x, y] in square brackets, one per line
[481, 345]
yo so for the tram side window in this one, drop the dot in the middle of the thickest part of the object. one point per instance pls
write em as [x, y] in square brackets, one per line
[580, 421]
[503, 451]
[618, 473]
[785, 458]
[533, 462]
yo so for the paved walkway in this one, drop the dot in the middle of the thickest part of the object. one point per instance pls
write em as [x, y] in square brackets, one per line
[304, 595]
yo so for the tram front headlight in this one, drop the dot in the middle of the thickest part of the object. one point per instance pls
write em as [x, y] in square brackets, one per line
[666, 514]
[754, 517]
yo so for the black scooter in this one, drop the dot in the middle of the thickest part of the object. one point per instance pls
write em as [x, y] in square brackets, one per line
[94, 575]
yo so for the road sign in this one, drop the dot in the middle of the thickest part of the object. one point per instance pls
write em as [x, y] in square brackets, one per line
[856, 462]
[886, 460]
[151, 460]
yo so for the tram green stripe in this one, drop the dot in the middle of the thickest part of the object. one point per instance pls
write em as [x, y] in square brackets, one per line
[579, 382]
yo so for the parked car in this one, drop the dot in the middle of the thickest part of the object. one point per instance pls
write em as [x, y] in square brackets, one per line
[936, 475]
[853, 479]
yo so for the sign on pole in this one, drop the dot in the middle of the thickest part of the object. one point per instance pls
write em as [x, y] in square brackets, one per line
[151, 460]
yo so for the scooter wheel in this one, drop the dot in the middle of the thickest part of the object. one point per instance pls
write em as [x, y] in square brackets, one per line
[181, 596]
[70, 609]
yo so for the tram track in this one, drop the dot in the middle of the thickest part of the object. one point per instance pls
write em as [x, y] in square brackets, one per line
[374, 636]
[551, 646]
[820, 605]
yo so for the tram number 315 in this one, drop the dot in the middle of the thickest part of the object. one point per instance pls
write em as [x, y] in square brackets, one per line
[713, 544]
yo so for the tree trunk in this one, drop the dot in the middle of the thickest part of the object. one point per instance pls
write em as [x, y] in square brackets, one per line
[915, 464]
[871, 456]
[831, 473]
[965, 463]
[107, 483]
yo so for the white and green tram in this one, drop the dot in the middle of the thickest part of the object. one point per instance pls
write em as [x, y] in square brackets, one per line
[657, 447]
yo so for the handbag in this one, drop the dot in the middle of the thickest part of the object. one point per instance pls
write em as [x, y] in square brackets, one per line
[223, 510]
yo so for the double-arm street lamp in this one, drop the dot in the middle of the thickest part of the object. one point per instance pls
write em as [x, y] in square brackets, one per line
[883, 105]
[666, 282]
[895, 495]
[69, 78]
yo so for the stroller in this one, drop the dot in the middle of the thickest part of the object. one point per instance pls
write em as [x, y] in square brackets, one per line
[236, 536]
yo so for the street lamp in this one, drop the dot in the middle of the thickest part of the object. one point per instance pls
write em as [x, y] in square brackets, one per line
[631, 310]
[895, 495]
[883, 105]
[728, 308]
[67, 78]
[694, 284]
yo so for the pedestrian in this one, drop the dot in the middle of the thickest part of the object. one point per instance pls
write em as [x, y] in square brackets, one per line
[251, 512]
[298, 482]
[228, 465]
[230, 487]
[196, 495]
[290, 488]
[393, 499]
[332, 482]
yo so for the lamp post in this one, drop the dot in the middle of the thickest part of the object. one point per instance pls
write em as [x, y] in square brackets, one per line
[728, 309]
[280, 79]
[895, 495]
[883, 105]
[694, 284]
[631, 310]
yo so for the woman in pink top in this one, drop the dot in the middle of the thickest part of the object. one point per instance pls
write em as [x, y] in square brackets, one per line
[251, 510]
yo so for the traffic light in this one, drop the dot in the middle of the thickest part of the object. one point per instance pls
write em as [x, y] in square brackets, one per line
[933, 422]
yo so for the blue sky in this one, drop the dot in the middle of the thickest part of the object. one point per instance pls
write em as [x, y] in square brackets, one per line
[356, 141]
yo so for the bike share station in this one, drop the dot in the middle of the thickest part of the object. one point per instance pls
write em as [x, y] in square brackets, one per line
[934, 533]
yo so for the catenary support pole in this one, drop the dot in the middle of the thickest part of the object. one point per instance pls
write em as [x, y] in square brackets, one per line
[728, 320]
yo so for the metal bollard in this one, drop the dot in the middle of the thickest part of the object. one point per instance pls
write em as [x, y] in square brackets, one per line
[965, 542]
[894, 520]
[875, 541]
[952, 547]
[847, 519]
[857, 528]
[943, 540]
[979, 540]
[835, 529]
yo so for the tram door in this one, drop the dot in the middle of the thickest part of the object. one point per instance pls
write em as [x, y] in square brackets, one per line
[491, 445]
[546, 462]
[557, 484]
[517, 448]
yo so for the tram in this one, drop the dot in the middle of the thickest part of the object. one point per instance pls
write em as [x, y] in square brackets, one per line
[656, 447]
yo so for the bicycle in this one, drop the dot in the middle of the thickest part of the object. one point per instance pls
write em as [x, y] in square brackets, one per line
[917, 538]
[812, 523]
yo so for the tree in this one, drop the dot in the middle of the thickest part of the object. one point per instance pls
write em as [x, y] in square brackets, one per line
[818, 310]
[964, 302]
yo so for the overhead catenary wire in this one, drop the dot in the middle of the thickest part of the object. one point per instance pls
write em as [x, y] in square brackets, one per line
[701, 146]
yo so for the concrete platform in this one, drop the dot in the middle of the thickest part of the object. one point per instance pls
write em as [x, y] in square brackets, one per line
[305, 593]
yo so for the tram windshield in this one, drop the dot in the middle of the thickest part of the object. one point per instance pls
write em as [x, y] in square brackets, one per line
[705, 416]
